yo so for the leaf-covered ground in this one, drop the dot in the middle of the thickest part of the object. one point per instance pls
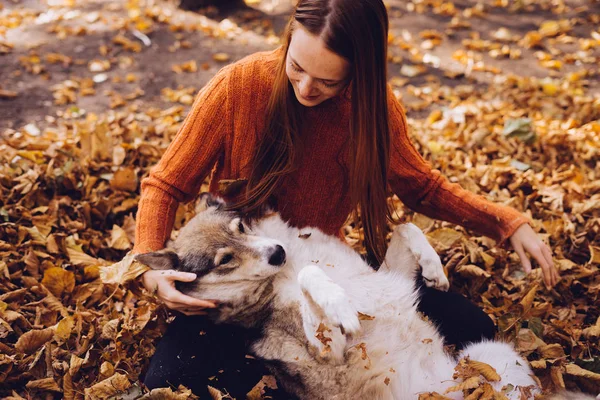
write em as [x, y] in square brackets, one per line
[502, 96]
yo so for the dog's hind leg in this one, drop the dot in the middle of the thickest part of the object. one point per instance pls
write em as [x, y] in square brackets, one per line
[408, 249]
[327, 313]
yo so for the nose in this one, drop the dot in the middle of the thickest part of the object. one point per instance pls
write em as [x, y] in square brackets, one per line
[277, 257]
[305, 87]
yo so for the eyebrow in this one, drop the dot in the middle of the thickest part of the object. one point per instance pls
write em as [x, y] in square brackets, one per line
[323, 80]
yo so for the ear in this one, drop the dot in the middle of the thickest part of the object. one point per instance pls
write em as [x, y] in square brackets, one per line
[161, 260]
[207, 200]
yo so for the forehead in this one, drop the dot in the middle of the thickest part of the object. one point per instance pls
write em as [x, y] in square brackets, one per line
[310, 52]
[207, 230]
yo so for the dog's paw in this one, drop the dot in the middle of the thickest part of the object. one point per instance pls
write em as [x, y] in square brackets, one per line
[330, 298]
[433, 273]
[340, 311]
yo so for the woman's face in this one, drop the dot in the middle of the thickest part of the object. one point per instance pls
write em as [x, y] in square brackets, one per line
[316, 73]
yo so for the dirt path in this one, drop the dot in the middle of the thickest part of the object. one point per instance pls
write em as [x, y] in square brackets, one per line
[150, 70]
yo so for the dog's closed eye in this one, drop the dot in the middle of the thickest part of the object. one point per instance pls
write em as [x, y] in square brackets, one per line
[225, 259]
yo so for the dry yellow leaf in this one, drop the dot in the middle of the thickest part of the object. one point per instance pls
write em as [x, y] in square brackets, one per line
[221, 57]
[58, 281]
[445, 237]
[116, 384]
[527, 300]
[484, 369]
[124, 271]
[119, 239]
[470, 383]
[576, 370]
[64, 328]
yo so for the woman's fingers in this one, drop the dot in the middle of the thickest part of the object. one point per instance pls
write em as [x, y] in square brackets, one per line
[538, 253]
[553, 270]
[524, 259]
[174, 296]
[191, 312]
[173, 275]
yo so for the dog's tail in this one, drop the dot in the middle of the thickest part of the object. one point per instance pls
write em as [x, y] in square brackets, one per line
[507, 363]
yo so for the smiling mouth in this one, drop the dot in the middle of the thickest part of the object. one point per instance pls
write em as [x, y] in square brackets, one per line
[309, 97]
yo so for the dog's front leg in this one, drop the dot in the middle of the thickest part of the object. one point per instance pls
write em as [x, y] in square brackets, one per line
[327, 313]
[409, 244]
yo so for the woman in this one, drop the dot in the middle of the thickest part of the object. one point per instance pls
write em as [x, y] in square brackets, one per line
[317, 134]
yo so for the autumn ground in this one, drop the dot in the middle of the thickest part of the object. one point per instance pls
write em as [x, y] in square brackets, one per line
[503, 97]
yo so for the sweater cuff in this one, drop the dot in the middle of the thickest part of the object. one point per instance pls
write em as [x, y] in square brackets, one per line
[507, 230]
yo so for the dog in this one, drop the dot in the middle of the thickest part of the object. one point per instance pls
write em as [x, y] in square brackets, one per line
[332, 326]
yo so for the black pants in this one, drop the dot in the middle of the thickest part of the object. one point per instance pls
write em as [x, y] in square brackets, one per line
[196, 353]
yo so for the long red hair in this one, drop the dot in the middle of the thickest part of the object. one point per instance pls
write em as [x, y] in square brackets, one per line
[356, 30]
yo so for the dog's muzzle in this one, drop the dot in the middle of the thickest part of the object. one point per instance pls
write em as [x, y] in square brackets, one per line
[277, 257]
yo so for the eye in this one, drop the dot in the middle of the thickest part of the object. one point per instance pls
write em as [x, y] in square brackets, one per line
[330, 85]
[226, 259]
[295, 68]
[241, 227]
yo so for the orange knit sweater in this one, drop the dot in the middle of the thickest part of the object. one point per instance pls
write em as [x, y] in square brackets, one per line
[223, 129]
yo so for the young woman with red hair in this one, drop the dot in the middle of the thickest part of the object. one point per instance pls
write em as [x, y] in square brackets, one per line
[316, 132]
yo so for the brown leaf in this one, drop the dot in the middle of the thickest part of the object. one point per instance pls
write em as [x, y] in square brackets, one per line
[527, 301]
[124, 179]
[59, 281]
[471, 270]
[44, 384]
[528, 341]
[75, 364]
[68, 388]
[32, 340]
[116, 384]
[258, 391]
[365, 317]
[554, 350]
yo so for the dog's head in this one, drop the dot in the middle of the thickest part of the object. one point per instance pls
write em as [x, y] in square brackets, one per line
[220, 248]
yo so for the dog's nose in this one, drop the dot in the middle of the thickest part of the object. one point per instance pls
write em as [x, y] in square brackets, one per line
[278, 256]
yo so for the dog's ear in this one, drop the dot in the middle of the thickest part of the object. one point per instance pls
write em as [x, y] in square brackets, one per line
[207, 200]
[161, 260]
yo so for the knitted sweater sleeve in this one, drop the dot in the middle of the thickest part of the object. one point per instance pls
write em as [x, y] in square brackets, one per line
[186, 163]
[426, 191]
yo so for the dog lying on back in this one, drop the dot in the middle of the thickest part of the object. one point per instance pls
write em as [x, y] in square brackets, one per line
[333, 327]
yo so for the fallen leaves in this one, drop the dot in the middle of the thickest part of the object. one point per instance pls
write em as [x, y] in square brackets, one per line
[70, 185]
[32, 340]
[59, 281]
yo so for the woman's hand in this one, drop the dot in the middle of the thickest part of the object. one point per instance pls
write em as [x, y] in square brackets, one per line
[162, 283]
[526, 240]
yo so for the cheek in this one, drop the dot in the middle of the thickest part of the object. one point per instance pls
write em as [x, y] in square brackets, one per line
[292, 75]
